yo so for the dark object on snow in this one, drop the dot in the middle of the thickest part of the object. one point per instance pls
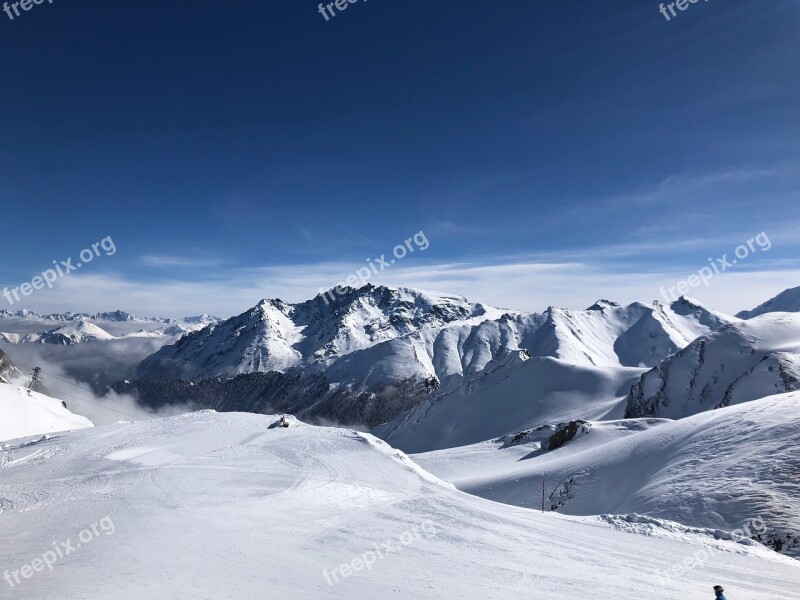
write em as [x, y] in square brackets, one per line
[565, 433]
[282, 422]
[718, 591]
[64, 404]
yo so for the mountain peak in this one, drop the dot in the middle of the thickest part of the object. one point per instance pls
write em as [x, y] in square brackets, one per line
[787, 301]
[603, 304]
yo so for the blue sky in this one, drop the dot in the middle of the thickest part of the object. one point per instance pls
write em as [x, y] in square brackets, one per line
[552, 152]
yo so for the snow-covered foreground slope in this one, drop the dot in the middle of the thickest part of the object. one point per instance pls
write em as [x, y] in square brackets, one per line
[226, 506]
[716, 469]
[24, 413]
[501, 401]
[737, 363]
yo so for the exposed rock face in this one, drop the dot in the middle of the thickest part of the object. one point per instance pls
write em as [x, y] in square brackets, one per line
[566, 433]
[311, 397]
[739, 362]
[5, 366]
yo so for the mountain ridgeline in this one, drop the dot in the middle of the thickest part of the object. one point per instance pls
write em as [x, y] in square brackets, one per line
[373, 353]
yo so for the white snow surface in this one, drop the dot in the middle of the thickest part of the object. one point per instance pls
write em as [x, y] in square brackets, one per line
[24, 413]
[716, 469]
[231, 506]
[501, 401]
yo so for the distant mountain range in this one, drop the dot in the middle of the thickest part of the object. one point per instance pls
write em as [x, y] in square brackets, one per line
[377, 354]
[79, 328]
[118, 316]
[428, 366]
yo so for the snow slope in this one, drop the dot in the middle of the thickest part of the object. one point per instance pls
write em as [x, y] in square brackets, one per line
[786, 301]
[24, 413]
[231, 506]
[715, 469]
[501, 401]
[740, 362]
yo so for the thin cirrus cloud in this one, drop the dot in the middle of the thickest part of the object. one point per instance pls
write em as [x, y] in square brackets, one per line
[164, 261]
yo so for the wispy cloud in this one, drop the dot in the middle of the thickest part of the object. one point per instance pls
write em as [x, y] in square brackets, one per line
[163, 261]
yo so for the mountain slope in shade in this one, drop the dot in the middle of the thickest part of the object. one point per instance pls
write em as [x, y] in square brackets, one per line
[6, 367]
[183, 503]
[718, 469]
[508, 397]
[786, 301]
[737, 363]
[25, 413]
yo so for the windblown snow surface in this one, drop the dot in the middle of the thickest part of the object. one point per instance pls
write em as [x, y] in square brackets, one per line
[717, 469]
[230, 506]
[25, 413]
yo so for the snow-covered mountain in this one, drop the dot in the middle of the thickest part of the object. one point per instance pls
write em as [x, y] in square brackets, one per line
[76, 332]
[737, 363]
[377, 351]
[78, 328]
[117, 316]
[169, 509]
[275, 335]
[786, 301]
[25, 413]
[718, 469]
[609, 335]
